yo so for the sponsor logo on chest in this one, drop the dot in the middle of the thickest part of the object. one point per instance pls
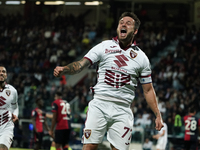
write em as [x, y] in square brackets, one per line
[112, 51]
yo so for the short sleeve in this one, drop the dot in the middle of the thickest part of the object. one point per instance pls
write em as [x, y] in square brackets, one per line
[33, 113]
[94, 55]
[15, 97]
[145, 74]
[54, 107]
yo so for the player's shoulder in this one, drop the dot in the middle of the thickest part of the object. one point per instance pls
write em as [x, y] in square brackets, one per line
[136, 52]
[137, 49]
[108, 42]
[55, 101]
[186, 117]
[9, 86]
[58, 101]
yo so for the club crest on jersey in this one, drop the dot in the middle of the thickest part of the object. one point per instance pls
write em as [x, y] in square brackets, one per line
[133, 54]
[8, 92]
[87, 133]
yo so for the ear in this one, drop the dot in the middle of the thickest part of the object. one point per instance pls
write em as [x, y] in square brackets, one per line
[136, 31]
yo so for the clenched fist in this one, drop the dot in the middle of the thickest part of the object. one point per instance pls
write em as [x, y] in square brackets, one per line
[58, 71]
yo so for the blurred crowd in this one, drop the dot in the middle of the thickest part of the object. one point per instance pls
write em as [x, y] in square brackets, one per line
[176, 82]
[31, 48]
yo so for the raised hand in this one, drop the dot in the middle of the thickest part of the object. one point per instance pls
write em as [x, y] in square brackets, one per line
[58, 71]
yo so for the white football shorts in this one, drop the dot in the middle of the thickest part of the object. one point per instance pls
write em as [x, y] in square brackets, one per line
[114, 117]
[6, 137]
[161, 144]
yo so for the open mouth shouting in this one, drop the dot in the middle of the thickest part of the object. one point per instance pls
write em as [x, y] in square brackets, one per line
[123, 32]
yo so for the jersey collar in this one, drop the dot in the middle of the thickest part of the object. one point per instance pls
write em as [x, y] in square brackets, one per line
[6, 86]
[117, 41]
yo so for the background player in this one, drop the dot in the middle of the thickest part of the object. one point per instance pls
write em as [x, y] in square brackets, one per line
[39, 120]
[8, 110]
[120, 64]
[192, 129]
[161, 138]
[61, 122]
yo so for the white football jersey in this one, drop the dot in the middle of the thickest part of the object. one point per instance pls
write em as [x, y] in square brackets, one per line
[162, 141]
[119, 70]
[8, 105]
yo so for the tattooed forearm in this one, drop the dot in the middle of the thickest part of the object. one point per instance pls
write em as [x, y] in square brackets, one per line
[73, 68]
[76, 67]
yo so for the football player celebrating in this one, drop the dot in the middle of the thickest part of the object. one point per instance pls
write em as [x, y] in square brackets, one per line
[8, 110]
[120, 64]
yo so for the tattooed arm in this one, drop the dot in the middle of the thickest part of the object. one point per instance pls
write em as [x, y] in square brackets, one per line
[72, 68]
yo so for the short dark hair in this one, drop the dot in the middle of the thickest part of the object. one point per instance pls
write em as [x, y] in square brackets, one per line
[59, 93]
[192, 109]
[132, 15]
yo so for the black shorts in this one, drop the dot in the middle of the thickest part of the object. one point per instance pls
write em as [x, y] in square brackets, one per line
[191, 145]
[62, 136]
[38, 137]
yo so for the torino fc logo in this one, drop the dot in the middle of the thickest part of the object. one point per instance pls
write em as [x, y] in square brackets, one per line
[87, 133]
[8, 92]
[133, 54]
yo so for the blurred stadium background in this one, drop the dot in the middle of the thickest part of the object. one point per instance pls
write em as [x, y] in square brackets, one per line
[38, 35]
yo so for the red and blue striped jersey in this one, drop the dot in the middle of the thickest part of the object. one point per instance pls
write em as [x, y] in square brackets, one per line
[191, 128]
[63, 110]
